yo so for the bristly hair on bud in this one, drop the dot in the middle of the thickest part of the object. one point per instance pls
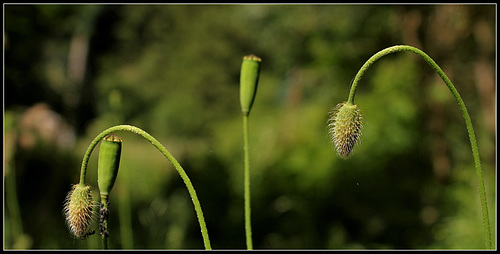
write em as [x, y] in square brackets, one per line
[79, 210]
[344, 127]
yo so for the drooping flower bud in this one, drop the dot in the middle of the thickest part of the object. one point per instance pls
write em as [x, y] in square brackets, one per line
[345, 126]
[109, 162]
[249, 79]
[78, 209]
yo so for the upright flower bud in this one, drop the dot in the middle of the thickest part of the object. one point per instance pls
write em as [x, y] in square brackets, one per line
[109, 161]
[249, 78]
[345, 126]
[78, 210]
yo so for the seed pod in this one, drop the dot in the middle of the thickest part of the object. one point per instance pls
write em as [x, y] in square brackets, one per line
[345, 126]
[109, 161]
[78, 209]
[249, 79]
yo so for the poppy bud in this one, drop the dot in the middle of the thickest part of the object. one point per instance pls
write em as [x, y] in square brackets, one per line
[109, 161]
[249, 78]
[345, 127]
[78, 209]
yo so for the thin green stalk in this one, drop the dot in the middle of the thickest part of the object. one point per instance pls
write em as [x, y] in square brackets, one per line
[104, 236]
[249, 80]
[163, 150]
[16, 227]
[468, 122]
[248, 224]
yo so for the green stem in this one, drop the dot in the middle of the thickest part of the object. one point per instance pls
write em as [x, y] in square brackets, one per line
[468, 122]
[248, 224]
[11, 201]
[104, 237]
[163, 150]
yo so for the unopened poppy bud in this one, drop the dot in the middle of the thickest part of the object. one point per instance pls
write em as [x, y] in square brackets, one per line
[109, 161]
[345, 126]
[249, 79]
[78, 209]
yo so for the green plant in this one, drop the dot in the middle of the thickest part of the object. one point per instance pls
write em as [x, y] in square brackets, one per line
[108, 165]
[78, 207]
[345, 123]
[249, 79]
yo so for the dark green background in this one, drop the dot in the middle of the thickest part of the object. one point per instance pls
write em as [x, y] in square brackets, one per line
[72, 71]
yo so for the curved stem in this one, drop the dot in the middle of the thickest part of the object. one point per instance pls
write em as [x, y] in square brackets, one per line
[468, 122]
[163, 150]
[248, 224]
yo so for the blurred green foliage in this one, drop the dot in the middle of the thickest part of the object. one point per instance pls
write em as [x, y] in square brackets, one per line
[72, 71]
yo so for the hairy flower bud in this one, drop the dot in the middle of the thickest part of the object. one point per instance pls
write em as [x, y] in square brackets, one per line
[345, 126]
[78, 209]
